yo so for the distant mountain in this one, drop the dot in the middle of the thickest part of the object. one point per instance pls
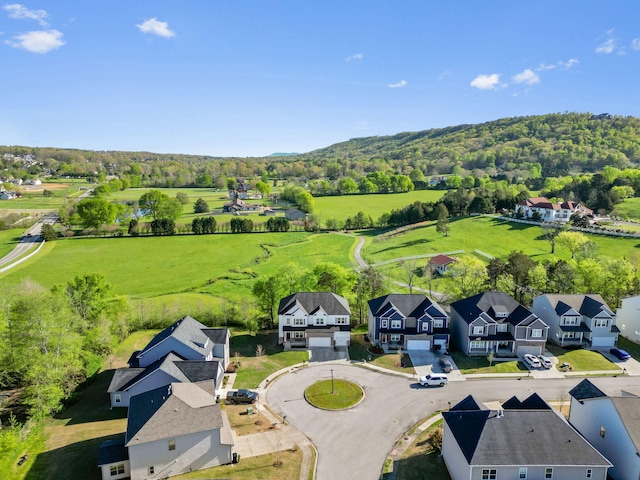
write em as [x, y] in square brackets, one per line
[283, 154]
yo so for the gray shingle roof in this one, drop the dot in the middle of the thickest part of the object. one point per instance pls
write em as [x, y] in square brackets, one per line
[188, 331]
[171, 411]
[331, 303]
[490, 302]
[587, 305]
[520, 437]
[408, 305]
[122, 376]
[628, 409]
[217, 335]
[586, 389]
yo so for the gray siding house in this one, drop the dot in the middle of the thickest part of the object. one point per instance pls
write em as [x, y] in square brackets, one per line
[524, 440]
[495, 322]
[578, 320]
[407, 321]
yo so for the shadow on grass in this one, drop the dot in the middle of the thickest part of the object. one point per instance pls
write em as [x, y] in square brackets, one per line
[92, 404]
[246, 345]
[418, 467]
[411, 243]
[514, 225]
[72, 462]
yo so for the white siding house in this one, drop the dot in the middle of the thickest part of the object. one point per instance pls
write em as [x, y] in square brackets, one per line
[314, 319]
[628, 318]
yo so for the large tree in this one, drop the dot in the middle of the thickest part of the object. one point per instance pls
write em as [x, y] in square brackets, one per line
[95, 212]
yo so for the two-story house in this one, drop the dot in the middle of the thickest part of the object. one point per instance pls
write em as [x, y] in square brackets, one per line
[187, 338]
[495, 322]
[314, 319]
[523, 440]
[578, 320]
[611, 423]
[628, 319]
[551, 212]
[407, 321]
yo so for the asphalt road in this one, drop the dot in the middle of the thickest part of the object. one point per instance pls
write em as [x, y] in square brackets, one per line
[355, 443]
[31, 236]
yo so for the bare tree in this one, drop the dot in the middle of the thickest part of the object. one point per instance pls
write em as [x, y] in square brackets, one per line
[410, 270]
[260, 354]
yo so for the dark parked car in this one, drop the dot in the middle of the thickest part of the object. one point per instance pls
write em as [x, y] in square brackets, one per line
[619, 354]
[445, 365]
[242, 396]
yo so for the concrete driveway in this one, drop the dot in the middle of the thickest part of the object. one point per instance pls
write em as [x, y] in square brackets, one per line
[328, 354]
[425, 363]
[631, 366]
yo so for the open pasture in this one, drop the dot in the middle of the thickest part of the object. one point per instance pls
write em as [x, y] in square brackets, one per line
[343, 206]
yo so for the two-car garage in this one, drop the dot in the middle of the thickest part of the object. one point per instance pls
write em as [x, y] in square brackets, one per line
[418, 344]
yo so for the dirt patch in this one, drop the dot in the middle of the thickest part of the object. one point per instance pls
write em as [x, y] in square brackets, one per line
[45, 186]
[244, 423]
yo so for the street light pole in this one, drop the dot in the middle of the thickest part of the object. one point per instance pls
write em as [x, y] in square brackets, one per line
[332, 381]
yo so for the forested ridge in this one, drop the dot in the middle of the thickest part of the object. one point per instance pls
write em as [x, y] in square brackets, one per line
[516, 148]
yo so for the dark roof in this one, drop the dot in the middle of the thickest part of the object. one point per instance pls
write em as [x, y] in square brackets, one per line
[331, 303]
[217, 335]
[440, 260]
[121, 377]
[112, 451]
[520, 437]
[490, 302]
[585, 389]
[408, 305]
[532, 402]
[172, 411]
[199, 370]
[467, 403]
[582, 327]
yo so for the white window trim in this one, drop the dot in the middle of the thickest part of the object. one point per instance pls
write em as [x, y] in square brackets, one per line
[522, 472]
[396, 323]
[548, 472]
[478, 330]
[439, 323]
[394, 337]
[537, 331]
[384, 323]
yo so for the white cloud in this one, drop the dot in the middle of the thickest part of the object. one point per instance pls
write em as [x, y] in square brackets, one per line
[572, 62]
[15, 10]
[607, 47]
[356, 57]
[528, 77]
[486, 82]
[41, 41]
[635, 43]
[400, 84]
[156, 27]
[543, 66]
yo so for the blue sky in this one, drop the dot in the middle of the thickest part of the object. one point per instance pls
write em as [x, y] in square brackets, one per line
[254, 77]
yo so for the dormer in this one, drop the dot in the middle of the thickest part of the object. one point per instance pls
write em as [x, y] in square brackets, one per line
[499, 311]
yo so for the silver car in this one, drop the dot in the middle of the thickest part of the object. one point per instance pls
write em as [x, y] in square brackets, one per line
[545, 361]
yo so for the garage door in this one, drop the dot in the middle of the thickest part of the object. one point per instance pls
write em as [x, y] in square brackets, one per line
[418, 345]
[602, 342]
[532, 350]
[319, 341]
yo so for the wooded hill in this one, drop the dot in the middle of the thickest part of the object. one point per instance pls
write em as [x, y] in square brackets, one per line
[520, 147]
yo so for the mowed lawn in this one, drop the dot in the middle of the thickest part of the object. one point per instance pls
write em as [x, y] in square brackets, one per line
[342, 206]
[152, 266]
[494, 236]
[9, 239]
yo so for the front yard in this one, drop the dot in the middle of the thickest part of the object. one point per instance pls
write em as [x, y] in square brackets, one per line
[358, 350]
[582, 360]
[479, 365]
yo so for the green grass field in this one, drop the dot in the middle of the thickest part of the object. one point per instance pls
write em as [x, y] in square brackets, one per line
[9, 239]
[343, 206]
[493, 236]
[629, 208]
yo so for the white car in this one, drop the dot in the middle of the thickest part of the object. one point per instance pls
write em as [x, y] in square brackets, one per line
[532, 361]
[439, 379]
[545, 361]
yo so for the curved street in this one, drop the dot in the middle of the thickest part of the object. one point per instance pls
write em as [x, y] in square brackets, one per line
[355, 443]
[29, 239]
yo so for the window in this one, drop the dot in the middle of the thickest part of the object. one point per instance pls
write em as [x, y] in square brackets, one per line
[522, 473]
[287, 321]
[478, 330]
[319, 321]
[502, 327]
[489, 474]
[589, 473]
[298, 334]
[548, 472]
[383, 323]
[117, 398]
[570, 321]
[603, 431]
[299, 321]
[536, 333]
[395, 338]
[172, 444]
[438, 323]
[569, 335]
[152, 470]
[425, 326]
[476, 344]
[341, 320]
[602, 322]
[117, 469]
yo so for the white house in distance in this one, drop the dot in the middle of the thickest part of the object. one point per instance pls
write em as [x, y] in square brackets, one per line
[628, 318]
[551, 212]
[314, 319]
[611, 423]
[171, 430]
[577, 320]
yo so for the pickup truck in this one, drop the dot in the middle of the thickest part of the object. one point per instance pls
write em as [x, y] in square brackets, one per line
[242, 396]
